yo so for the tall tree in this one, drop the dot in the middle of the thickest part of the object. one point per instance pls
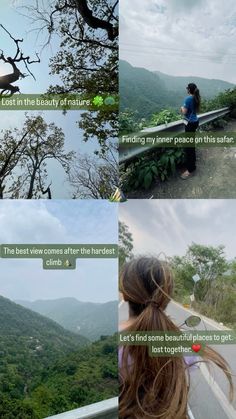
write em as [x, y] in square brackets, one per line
[208, 262]
[87, 61]
[125, 243]
[11, 151]
[24, 162]
[95, 178]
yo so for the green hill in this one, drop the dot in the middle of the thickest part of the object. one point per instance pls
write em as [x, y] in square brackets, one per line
[91, 320]
[149, 92]
[21, 326]
[141, 90]
[45, 369]
[29, 344]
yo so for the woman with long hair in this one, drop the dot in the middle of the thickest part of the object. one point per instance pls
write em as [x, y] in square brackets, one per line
[154, 387]
[189, 110]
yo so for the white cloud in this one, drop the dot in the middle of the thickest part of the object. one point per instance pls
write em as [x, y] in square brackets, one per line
[203, 208]
[170, 226]
[180, 37]
[29, 222]
[155, 226]
[77, 221]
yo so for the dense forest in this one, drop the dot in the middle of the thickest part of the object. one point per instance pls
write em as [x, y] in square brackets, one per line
[78, 316]
[45, 369]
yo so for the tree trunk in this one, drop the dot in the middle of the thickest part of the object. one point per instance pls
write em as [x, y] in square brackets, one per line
[2, 187]
[31, 188]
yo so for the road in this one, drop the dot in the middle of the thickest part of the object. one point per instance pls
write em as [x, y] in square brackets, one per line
[208, 391]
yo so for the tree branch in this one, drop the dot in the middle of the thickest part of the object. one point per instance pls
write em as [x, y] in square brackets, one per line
[95, 22]
[19, 56]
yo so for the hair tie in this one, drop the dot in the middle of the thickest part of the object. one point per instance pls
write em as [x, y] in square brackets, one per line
[153, 303]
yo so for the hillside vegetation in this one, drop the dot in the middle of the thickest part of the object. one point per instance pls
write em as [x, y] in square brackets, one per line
[84, 377]
[45, 369]
[215, 292]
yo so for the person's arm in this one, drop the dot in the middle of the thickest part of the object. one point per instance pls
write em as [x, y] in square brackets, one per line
[184, 109]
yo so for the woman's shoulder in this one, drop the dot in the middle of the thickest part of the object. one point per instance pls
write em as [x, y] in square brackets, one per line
[189, 99]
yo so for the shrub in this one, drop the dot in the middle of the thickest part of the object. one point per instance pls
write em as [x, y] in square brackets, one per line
[164, 117]
[158, 165]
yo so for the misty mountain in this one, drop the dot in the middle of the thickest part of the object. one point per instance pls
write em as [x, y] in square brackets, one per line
[209, 88]
[149, 92]
[33, 330]
[91, 320]
[142, 91]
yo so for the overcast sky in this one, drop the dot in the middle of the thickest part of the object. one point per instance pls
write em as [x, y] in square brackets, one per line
[93, 221]
[170, 226]
[180, 37]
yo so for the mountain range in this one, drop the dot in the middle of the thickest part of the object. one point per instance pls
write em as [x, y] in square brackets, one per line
[33, 329]
[146, 92]
[90, 320]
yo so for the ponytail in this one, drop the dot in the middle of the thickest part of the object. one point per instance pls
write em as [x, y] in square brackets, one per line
[197, 99]
[193, 89]
[154, 387]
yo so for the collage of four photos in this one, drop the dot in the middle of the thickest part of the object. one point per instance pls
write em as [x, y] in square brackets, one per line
[117, 205]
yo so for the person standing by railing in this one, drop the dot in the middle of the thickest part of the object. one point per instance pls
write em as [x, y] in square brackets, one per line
[189, 110]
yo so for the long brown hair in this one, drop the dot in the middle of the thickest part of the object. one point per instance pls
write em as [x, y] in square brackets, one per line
[153, 387]
[193, 90]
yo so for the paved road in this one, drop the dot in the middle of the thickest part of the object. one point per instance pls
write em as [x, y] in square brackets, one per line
[208, 392]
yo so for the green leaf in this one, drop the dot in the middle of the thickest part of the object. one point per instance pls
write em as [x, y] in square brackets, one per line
[172, 164]
[148, 180]
[154, 170]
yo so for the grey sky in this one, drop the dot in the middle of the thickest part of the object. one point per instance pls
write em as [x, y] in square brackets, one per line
[180, 37]
[169, 226]
[91, 221]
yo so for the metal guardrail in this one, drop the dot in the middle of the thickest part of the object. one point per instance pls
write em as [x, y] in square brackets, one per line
[177, 127]
[107, 409]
